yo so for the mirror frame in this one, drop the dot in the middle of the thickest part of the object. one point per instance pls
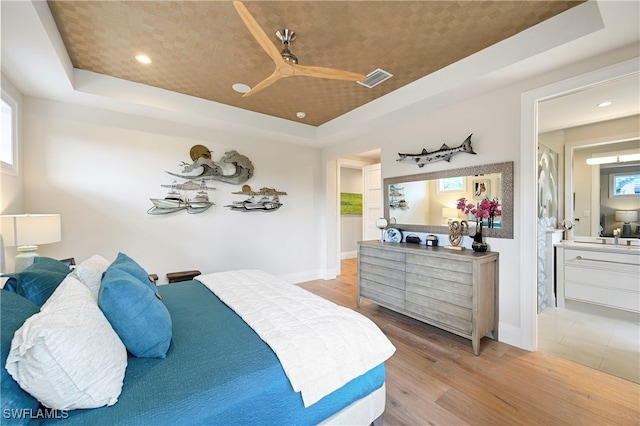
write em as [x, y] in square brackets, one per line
[506, 203]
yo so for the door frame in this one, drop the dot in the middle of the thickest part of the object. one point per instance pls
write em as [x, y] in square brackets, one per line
[349, 164]
[528, 183]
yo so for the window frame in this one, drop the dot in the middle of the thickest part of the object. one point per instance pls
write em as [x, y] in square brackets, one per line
[5, 167]
[612, 182]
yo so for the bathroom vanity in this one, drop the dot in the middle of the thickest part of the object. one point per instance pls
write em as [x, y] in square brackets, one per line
[605, 274]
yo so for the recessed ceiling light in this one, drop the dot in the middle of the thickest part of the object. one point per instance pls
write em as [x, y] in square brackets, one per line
[241, 88]
[143, 59]
[605, 104]
[300, 114]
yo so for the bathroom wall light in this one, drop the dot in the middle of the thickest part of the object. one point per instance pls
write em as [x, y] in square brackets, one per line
[613, 159]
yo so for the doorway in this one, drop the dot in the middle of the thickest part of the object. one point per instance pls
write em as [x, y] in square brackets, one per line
[353, 180]
[601, 338]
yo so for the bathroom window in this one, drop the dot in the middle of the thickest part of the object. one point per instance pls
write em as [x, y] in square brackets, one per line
[8, 142]
[624, 184]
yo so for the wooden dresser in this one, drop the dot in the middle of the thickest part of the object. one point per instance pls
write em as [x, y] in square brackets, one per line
[456, 291]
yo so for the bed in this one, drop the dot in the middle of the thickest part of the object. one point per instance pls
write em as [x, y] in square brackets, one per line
[217, 369]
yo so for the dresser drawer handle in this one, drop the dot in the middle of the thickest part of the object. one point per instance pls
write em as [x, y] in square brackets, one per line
[605, 261]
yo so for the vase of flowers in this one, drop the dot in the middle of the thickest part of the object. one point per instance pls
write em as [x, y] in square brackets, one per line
[485, 209]
[478, 245]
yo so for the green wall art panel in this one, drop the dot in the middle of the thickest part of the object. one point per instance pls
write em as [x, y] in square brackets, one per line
[350, 203]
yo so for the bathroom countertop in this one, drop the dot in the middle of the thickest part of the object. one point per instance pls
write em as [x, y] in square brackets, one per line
[597, 245]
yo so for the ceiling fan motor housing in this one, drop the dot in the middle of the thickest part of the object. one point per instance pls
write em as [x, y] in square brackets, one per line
[286, 36]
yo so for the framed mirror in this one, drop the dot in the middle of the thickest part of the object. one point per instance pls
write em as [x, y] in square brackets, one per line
[428, 202]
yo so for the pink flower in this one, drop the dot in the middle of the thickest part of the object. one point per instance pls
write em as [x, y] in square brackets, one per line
[483, 210]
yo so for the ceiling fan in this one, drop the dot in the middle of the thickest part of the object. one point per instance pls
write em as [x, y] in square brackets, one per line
[285, 62]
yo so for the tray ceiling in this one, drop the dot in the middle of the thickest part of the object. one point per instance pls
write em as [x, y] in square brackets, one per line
[201, 48]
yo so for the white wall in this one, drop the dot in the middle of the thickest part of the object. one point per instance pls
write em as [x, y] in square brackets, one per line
[98, 169]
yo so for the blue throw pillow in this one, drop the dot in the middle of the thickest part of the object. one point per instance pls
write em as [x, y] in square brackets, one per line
[136, 314]
[130, 266]
[15, 310]
[38, 281]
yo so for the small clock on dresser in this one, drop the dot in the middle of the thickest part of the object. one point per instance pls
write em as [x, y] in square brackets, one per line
[393, 235]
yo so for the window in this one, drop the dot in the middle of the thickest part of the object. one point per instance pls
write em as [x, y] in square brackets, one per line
[453, 184]
[8, 142]
[624, 184]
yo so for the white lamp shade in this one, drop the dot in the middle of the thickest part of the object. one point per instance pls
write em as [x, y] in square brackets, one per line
[30, 229]
[382, 223]
[626, 216]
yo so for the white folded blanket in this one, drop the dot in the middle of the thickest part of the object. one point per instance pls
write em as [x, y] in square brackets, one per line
[320, 345]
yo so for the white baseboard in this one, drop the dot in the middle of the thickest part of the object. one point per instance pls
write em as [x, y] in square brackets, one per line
[349, 254]
[301, 277]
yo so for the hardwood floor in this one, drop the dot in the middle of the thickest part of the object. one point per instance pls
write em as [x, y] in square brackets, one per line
[434, 378]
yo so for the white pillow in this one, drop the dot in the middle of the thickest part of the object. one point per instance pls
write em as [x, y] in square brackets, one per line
[90, 272]
[67, 356]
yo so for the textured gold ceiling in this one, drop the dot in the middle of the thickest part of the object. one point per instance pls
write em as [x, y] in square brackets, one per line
[201, 48]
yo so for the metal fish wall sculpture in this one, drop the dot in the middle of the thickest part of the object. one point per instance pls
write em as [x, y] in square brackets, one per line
[233, 168]
[444, 153]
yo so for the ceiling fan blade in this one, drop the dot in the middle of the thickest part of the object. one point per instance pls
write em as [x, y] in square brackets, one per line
[264, 84]
[257, 32]
[329, 73]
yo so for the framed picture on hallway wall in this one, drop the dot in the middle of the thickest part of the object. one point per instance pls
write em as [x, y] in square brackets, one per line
[350, 203]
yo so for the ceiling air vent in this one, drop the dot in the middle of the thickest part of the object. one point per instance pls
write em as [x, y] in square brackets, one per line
[375, 77]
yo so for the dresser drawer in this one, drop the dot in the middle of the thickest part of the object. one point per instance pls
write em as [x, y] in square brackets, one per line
[462, 298]
[384, 283]
[382, 275]
[443, 275]
[441, 263]
[421, 281]
[441, 312]
[376, 254]
[383, 294]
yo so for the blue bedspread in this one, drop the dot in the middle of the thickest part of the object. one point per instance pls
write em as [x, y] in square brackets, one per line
[217, 371]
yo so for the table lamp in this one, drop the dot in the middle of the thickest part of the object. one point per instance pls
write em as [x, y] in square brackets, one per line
[626, 216]
[381, 224]
[449, 214]
[26, 231]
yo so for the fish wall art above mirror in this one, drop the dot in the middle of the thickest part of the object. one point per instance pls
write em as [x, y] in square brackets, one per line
[444, 153]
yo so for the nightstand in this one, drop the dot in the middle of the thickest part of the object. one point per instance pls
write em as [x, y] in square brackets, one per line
[175, 277]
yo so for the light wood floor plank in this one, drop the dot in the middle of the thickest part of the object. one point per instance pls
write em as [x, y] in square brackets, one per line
[434, 378]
